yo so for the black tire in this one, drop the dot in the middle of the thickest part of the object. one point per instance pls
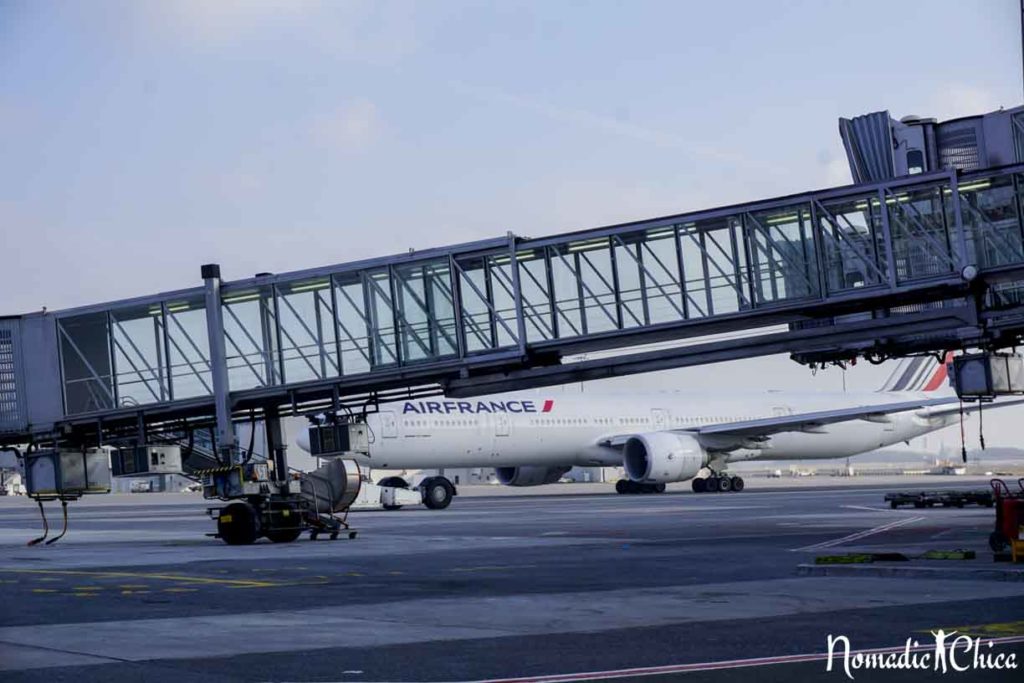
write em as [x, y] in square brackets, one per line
[622, 487]
[724, 484]
[699, 485]
[283, 535]
[437, 493]
[997, 541]
[238, 524]
[893, 504]
[283, 523]
[659, 488]
[738, 484]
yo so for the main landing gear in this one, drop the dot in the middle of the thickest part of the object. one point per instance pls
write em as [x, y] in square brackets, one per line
[717, 483]
[630, 486]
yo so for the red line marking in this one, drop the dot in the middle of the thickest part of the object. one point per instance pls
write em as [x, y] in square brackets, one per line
[548, 405]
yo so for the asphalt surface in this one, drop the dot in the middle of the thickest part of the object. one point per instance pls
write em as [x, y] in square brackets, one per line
[678, 585]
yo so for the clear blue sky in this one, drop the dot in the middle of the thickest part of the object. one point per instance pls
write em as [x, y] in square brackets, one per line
[141, 139]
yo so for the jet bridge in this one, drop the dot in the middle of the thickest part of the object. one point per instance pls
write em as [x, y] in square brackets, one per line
[896, 265]
[914, 264]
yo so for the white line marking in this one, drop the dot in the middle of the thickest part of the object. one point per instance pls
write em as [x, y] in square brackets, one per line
[859, 535]
[714, 666]
[865, 507]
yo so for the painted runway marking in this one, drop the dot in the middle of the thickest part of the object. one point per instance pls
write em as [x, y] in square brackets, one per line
[859, 535]
[140, 575]
[1008, 628]
[713, 666]
[866, 507]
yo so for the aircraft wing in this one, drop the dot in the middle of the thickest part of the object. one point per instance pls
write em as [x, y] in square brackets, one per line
[762, 428]
[808, 422]
[974, 407]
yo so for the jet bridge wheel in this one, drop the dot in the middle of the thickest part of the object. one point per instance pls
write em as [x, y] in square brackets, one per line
[284, 524]
[238, 524]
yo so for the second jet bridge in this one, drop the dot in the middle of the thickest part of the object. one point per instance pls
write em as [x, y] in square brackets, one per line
[920, 263]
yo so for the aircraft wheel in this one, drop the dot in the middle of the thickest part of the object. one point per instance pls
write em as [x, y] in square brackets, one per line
[659, 488]
[724, 484]
[622, 486]
[737, 484]
[997, 541]
[699, 485]
[238, 524]
[437, 493]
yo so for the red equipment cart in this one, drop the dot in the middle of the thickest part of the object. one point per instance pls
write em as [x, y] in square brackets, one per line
[1009, 514]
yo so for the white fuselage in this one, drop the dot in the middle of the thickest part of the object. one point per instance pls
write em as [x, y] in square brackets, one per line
[558, 429]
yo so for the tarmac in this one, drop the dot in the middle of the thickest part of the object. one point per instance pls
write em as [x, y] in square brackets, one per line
[557, 583]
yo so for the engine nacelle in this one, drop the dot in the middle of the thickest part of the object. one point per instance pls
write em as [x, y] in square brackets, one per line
[531, 475]
[662, 457]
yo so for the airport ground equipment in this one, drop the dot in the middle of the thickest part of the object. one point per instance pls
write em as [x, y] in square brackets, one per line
[927, 499]
[281, 510]
[64, 475]
[918, 258]
[1009, 505]
[988, 375]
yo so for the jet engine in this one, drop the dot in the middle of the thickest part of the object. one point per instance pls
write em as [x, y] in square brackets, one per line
[663, 457]
[530, 475]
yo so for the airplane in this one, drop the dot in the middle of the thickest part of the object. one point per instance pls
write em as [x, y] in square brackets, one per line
[658, 438]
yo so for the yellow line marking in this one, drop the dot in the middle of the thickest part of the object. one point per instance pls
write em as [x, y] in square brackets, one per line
[133, 592]
[140, 575]
[86, 588]
[84, 595]
[1006, 628]
[480, 569]
[180, 590]
[354, 574]
[130, 586]
[44, 590]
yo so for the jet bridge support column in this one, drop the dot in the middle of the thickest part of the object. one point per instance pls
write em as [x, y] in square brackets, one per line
[276, 448]
[218, 364]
